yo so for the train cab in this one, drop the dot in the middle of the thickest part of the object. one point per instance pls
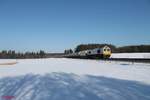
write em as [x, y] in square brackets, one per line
[106, 52]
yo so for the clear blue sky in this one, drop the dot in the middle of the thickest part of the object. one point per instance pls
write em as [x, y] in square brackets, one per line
[55, 25]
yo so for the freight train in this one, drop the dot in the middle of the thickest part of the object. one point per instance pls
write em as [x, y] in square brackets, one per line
[97, 53]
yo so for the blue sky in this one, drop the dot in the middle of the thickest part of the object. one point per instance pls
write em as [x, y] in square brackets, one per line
[55, 25]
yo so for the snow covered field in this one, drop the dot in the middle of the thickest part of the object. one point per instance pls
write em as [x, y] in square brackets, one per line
[131, 55]
[74, 79]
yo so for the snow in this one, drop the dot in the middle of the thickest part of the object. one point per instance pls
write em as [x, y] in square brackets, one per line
[58, 86]
[74, 79]
[2, 61]
[131, 55]
[120, 70]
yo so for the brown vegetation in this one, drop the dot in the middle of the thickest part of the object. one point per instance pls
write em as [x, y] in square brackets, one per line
[9, 63]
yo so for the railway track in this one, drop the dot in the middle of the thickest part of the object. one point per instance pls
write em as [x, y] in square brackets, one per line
[139, 60]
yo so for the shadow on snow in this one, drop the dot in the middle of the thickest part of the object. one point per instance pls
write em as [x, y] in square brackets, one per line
[61, 86]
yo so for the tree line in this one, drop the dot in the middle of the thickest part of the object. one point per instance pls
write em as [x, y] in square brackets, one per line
[115, 49]
[12, 54]
[133, 48]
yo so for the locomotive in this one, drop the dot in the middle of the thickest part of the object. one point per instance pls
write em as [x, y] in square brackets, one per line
[97, 53]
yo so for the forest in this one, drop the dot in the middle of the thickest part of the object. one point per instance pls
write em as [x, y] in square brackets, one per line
[4, 54]
[115, 49]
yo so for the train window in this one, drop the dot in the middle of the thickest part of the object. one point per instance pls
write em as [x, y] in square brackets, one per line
[98, 51]
[108, 49]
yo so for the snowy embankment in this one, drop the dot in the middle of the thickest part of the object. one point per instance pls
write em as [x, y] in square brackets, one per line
[74, 79]
[131, 55]
[8, 62]
[5, 61]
